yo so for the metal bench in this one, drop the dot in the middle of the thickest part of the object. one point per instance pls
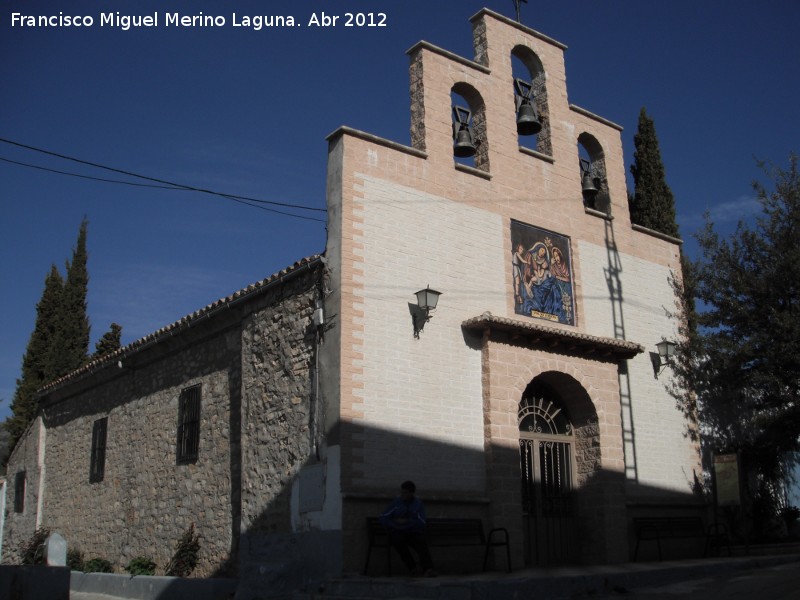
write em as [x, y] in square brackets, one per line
[661, 528]
[442, 532]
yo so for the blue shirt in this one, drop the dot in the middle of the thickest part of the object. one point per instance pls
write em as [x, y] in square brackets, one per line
[403, 515]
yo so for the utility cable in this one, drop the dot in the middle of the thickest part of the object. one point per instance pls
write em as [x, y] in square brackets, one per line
[118, 181]
[172, 185]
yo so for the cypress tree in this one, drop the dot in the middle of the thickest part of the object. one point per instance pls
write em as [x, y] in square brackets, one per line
[110, 341]
[71, 343]
[652, 204]
[37, 363]
[60, 340]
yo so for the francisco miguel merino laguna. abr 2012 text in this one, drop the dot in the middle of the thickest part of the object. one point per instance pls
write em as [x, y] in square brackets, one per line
[174, 19]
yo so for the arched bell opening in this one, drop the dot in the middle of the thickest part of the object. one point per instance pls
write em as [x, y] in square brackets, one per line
[559, 451]
[594, 179]
[530, 100]
[470, 145]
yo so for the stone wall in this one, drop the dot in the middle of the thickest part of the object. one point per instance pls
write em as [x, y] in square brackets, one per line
[20, 526]
[278, 411]
[146, 501]
[252, 364]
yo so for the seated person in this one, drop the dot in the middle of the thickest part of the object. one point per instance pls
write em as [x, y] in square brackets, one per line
[404, 519]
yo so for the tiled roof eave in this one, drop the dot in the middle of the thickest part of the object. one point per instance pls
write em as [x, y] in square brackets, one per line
[188, 321]
[570, 341]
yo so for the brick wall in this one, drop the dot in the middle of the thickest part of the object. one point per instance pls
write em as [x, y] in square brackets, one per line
[658, 453]
[408, 216]
[407, 241]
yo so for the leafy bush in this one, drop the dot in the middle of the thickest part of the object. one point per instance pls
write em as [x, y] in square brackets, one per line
[790, 514]
[32, 551]
[141, 565]
[184, 560]
[97, 565]
[74, 559]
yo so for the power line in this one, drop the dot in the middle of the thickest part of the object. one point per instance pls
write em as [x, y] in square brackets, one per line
[118, 181]
[246, 200]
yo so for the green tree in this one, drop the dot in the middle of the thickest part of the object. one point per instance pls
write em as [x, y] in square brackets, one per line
[743, 362]
[683, 385]
[71, 343]
[110, 342]
[60, 339]
[5, 438]
[652, 204]
[37, 365]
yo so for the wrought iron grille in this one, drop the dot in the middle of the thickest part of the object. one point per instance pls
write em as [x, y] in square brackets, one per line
[547, 477]
[19, 492]
[188, 425]
[97, 466]
[546, 482]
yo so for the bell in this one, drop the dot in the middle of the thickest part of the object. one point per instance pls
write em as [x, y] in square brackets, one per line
[528, 122]
[588, 185]
[463, 146]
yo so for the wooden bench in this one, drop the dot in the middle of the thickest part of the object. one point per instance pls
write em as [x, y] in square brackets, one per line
[662, 528]
[442, 532]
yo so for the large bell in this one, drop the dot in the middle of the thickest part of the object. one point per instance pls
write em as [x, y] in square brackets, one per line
[588, 184]
[463, 147]
[528, 122]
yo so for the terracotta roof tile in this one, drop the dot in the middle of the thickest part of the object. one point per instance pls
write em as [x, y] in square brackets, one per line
[156, 336]
[535, 330]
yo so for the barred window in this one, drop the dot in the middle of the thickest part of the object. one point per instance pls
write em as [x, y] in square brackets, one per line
[188, 425]
[19, 492]
[97, 468]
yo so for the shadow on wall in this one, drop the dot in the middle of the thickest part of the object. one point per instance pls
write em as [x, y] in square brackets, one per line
[285, 546]
[288, 535]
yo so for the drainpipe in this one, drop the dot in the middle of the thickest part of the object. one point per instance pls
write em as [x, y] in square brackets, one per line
[3, 488]
[319, 326]
[41, 464]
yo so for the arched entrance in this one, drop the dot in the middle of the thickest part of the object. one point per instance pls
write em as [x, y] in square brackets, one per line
[548, 473]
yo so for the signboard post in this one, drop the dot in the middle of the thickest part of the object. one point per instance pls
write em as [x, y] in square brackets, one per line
[726, 477]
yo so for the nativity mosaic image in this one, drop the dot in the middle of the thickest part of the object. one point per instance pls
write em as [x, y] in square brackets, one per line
[541, 267]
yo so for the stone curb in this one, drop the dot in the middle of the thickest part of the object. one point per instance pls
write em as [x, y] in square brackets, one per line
[151, 588]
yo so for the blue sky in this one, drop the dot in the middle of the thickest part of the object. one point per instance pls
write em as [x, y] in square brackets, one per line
[246, 112]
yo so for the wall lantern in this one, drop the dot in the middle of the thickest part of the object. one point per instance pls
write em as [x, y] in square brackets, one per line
[427, 299]
[666, 351]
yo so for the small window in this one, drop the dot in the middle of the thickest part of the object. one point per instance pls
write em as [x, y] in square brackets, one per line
[188, 425]
[97, 468]
[19, 492]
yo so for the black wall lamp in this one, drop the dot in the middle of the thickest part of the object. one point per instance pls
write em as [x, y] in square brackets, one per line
[664, 357]
[427, 299]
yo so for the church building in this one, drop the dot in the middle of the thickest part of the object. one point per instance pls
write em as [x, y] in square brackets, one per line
[484, 321]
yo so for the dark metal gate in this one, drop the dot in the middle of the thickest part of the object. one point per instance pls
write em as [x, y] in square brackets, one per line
[547, 473]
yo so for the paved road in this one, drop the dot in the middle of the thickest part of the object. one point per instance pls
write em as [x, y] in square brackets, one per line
[781, 582]
[769, 581]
